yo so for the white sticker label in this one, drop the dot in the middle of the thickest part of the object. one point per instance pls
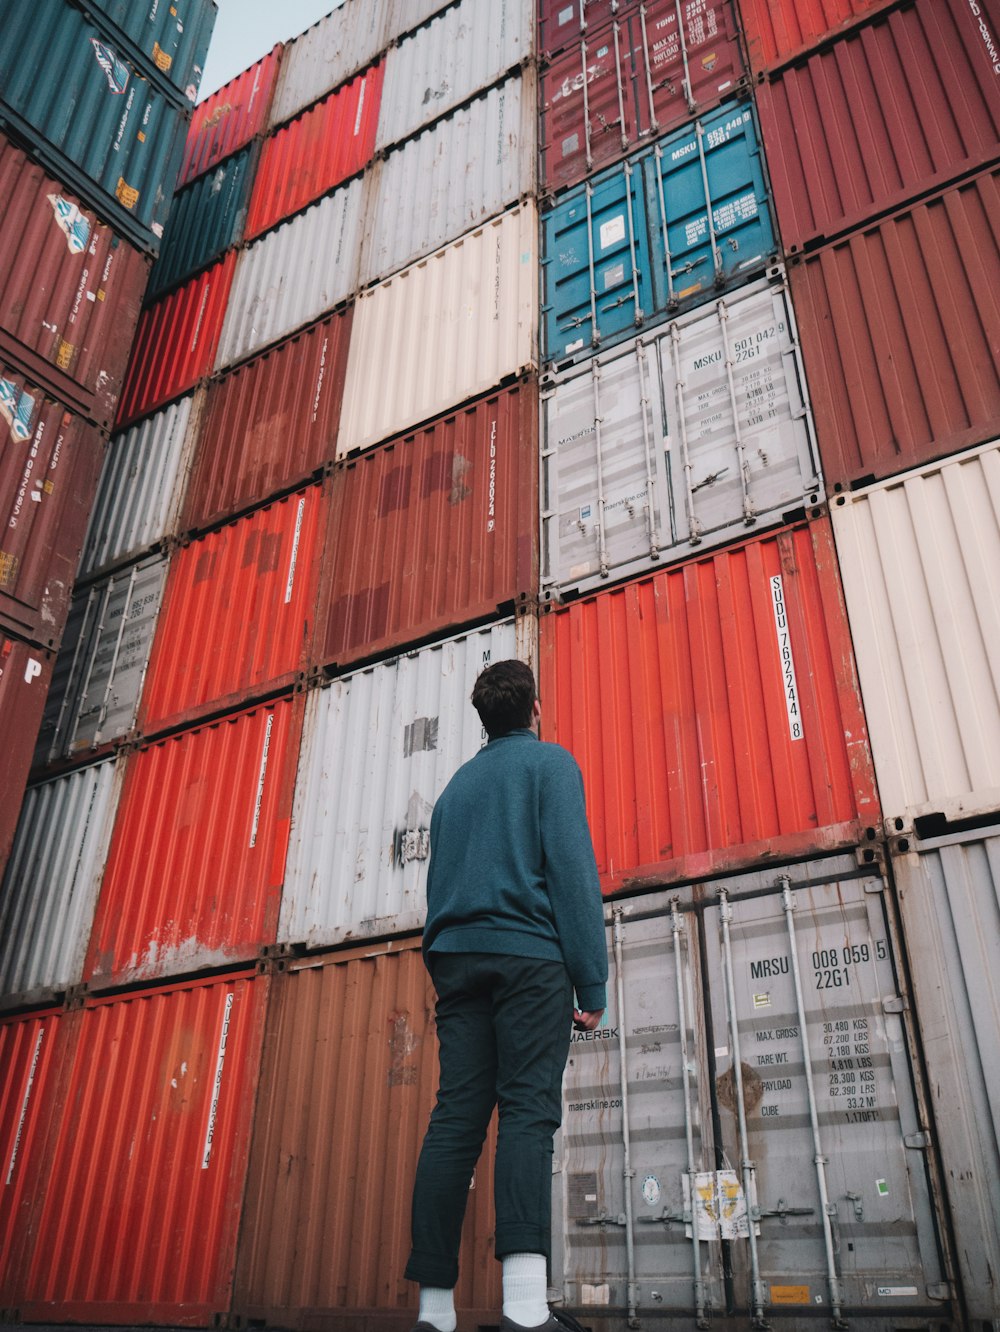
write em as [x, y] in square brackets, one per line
[220, 1059]
[789, 686]
[651, 1190]
[565, 15]
[24, 1106]
[762, 1001]
[613, 232]
[614, 276]
[889, 1291]
[594, 1294]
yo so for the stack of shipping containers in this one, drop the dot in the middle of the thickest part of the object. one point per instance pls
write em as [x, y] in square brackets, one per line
[653, 342]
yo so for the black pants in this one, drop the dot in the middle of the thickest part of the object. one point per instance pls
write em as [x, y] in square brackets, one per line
[503, 1026]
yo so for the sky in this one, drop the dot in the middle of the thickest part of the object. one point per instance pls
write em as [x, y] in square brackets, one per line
[247, 29]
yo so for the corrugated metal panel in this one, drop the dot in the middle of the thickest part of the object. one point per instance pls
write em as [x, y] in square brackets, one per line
[270, 423]
[926, 629]
[206, 219]
[402, 16]
[664, 231]
[316, 151]
[327, 54]
[176, 341]
[197, 856]
[776, 30]
[561, 23]
[379, 747]
[451, 326]
[897, 108]
[238, 613]
[436, 529]
[467, 47]
[141, 487]
[158, 1087]
[493, 137]
[172, 39]
[714, 710]
[704, 1003]
[655, 67]
[25, 674]
[70, 290]
[53, 876]
[681, 438]
[100, 668]
[49, 465]
[316, 1235]
[230, 118]
[901, 336]
[949, 900]
[99, 125]
[295, 274]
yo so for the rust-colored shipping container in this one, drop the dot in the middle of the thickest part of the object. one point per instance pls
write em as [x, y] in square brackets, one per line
[714, 711]
[900, 331]
[347, 1083]
[270, 423]
[895, 109]
[434, 530]
[316, 151]
[25, 676]
[230, 118]
[138, 1189]
[563, 22]
[776, 30]
[238, 614]
[197, 856]
[50, 462]
[176, 341]
[70, 289]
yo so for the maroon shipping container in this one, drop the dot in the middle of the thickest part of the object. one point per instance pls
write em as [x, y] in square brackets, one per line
[563, 22]
[25, 675]
[654, 68]
[70, 289]
[50, 462]
[435, 529]
[898, 108]
[900, 331]
[777, 30]
[230, 118]
[270, 423]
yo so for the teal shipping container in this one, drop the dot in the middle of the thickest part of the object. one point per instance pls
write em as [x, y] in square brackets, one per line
[167, 39]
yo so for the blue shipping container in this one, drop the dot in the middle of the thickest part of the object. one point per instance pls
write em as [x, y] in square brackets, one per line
[665, 230]
[168, 39]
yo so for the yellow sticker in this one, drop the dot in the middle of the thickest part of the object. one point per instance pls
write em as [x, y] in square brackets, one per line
[160, 58]
[790, 1295]
[141, 137]
[64, 356]
[100, 294]
[48, 487]
[8, 567]
[126, 194]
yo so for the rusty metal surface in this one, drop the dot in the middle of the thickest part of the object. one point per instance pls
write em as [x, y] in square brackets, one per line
[776, 30]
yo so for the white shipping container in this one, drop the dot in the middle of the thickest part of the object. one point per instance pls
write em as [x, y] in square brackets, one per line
[327, 54]
[52, 880]
[467, 47]
[294, 274]
[918, 555]
[404, 15]
[687, 437]
[379, 746]
[456, 174]
[443, 330]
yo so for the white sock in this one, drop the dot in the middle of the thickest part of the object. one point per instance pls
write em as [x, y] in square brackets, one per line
[525, 1287]
[437, 1307]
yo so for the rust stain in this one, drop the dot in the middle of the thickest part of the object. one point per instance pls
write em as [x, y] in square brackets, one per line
[753, 1089]
[402, 1044]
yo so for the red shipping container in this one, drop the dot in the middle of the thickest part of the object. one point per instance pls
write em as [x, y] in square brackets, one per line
[777, 30]
[25, 676]
[50, 462]
[238, 614]
[270, 423]
[197, 857]
[563, 22]
[899, 107]
[642, 76]
[314, 152]
[70, 289]
[139, 1190]
[230, 118]
[714, 711]
[900, 332]
[176, 341]
[434, 530]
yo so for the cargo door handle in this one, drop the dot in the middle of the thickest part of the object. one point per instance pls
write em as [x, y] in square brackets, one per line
[603, 1220]
[782, 1210]
[665, 1218]
[689, 267]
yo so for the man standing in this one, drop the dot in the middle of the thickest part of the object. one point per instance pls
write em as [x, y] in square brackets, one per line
[514, 925]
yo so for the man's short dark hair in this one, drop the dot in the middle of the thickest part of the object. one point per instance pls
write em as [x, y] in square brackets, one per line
[503, 697]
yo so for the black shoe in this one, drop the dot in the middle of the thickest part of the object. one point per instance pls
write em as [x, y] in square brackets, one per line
[557, 1321]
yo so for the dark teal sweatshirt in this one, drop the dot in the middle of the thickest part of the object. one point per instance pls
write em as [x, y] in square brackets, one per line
[512, 867]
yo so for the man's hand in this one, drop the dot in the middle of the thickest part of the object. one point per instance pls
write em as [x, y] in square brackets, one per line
[587, 1021]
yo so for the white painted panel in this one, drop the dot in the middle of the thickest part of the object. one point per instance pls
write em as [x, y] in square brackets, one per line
[444, 329]
[405, 15]
[919, 556]
[379, 746]
[327, 54]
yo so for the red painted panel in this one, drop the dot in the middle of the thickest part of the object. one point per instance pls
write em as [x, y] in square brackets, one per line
[626, 84]
[316, 151]
[270, 423]
[900, 331]
[897, 108]
[70, 289]
[230, 118]
[435, 529]
[776, 30]
[145, 1163]
[714, 710]
[237, 615]
[25, 676]
[176, 341]
[563, 22]
[197, 856]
